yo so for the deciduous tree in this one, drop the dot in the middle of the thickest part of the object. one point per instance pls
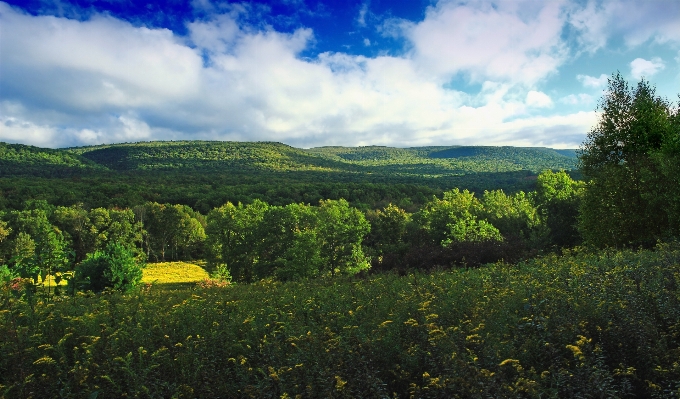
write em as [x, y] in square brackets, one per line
[626, 202]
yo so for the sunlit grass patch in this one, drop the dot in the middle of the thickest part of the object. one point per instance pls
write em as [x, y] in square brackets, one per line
[49, 281]
[173, 273]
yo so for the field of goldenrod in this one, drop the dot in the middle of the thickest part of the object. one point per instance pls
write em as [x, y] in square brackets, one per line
[578, 325]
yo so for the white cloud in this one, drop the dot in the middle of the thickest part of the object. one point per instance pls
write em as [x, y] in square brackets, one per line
[217, 36]
[640, 67]
[538, 99]
[14, 130]
[637, 22]
[367, 42]
[361, 19]
[511, 41]
[94, 64]
[591, 81]
[577, 99]
[67, 82]
[591, 22]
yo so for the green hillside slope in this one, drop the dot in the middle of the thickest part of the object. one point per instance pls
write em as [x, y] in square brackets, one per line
[417, 161]
[205, 174]
[18, 159]
[210, 155]
[455, 160]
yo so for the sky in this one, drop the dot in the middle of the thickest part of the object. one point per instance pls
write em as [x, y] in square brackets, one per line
[311, 73]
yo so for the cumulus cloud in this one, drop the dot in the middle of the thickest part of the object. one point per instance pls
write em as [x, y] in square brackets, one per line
[26, 132]
[635, 21]
[94, 64]
[513, 41]
[577, 99]
[593, 82]
[640, 67]
[538, 99]
[68, 82]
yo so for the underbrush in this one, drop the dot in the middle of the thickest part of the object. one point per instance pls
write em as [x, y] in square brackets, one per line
[579, 325]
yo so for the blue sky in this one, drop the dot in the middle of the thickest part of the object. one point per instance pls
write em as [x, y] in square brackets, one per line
[314, 72]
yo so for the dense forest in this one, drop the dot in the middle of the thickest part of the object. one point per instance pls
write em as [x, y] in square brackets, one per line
[166, 201]
[349, 272]
[205, 175]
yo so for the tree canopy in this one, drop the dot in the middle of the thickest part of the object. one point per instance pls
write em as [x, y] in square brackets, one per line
[629, 159]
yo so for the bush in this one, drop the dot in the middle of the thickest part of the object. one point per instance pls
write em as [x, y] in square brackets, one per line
[5, 274]
[114, 267]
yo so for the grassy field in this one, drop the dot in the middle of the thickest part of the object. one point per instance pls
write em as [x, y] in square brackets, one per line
[163, 274]
[174, 273]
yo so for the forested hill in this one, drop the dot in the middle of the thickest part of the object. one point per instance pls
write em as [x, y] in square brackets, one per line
[453, 159]
[209, 155]
[17, 159]
[206, 174]
[417, 161]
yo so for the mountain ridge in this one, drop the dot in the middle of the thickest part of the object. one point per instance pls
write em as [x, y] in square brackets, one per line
[227, 155]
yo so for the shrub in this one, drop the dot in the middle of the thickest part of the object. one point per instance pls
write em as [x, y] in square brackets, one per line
[5, 274]
[114, 267]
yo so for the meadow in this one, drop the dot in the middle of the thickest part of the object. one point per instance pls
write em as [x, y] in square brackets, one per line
[180, 274]
[576, 325]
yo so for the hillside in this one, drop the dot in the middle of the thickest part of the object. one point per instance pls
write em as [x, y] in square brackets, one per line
[417, 161]
[451, 160]
[17, 159]
[211, 156]
[206, 174]
[204, 155]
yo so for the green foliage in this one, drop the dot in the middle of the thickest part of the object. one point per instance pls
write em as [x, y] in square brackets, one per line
[257, 241]
[558, 198]
[578, 325]
[175, 231]
[288, 243]
[91, 230]
[6, 274]
[36, 247]
[471, 230]
[18, 159]
[114, 267]
[514, 216]
[205, 175]
[78, 230]
[433, 161]
[341, 231]
[454, 218]
[627, 201]
[4, 230]
[231, 240]
[23, 257]
[302, 258]
[389, 228]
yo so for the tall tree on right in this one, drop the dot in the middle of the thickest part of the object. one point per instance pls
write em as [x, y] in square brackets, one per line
[627, 160]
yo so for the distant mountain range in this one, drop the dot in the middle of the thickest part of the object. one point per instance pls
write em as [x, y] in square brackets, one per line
[242, 157]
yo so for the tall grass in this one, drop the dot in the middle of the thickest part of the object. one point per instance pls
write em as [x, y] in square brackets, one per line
[579, 325]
